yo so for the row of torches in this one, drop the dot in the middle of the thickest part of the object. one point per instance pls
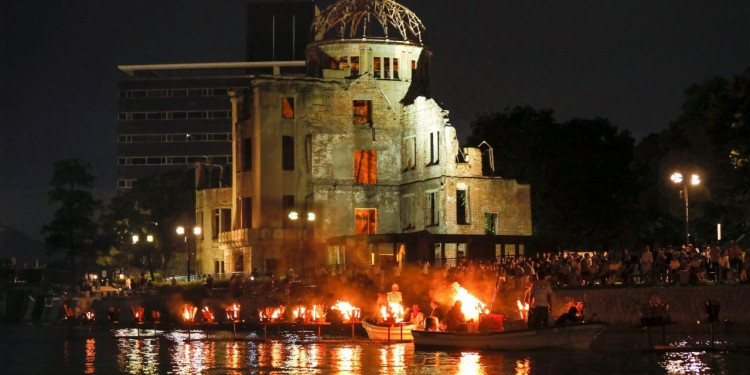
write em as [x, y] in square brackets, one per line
[472, 308]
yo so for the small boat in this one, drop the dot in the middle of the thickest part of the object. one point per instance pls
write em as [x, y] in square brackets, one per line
[396, 332]
[574, 336]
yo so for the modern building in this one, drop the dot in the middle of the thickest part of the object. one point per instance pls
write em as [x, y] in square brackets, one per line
[175, 115]
[354, 164]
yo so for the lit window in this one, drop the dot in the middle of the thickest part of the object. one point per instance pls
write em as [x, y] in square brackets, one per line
[395, 68]
[376, 67]
[355, 64]
[362, 111]
[287, 107]
[365, 221]
[365, 167]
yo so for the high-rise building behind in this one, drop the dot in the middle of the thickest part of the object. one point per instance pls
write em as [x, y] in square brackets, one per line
[172, 116]
[278, 31]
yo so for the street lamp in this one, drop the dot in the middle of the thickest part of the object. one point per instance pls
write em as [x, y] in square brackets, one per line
[677, 178]
[149, 239]
[294, 216]
[181, 231]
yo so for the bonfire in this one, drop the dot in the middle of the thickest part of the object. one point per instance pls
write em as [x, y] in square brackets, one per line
[471, 306]
[188, 313]
[208, 315]
[233, 312]
[348, 312]
[271, 314]
[392, 312]
[137, 314]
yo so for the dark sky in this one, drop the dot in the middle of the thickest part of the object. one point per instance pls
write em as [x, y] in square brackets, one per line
[628, 61]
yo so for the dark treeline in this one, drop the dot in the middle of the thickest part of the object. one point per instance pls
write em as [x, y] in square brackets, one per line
[594, 187]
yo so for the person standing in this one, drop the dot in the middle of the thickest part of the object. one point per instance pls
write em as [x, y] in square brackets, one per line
[539, 298]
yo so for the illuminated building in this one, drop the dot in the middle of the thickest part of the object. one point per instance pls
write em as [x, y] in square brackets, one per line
[359, 142]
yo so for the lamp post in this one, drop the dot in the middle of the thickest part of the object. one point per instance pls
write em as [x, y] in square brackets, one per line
[150, 240]
[677, 178]
[181, 231]
[294, 216]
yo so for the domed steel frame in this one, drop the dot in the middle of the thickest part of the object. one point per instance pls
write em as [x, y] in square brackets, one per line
[349, 15]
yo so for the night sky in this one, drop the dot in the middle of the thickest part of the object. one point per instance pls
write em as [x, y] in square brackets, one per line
[628, 61]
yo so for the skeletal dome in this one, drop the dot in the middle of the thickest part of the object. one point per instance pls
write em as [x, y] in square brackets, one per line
[350, 19]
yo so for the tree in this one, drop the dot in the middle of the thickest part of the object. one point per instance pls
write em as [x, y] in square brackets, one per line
[155, 205]
[72, 229]
[581, 187]
[711, 137]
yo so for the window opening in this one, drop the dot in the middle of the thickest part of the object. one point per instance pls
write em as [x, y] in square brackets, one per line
[287, 107]
[362, 111]
[365, 221]
[365, 167]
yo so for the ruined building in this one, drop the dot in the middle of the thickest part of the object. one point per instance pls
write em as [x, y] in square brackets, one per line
[363, 157]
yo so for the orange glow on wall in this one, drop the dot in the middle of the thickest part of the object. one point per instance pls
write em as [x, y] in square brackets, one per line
[365, 167]
[365, 221]
[287, 107]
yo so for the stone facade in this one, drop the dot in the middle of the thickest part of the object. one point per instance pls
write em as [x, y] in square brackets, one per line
[357, 142]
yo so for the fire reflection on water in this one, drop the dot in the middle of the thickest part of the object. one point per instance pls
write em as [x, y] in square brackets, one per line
[523, 367]
[192, 357]
[469, 364]
[233, 353]
[90, 357]
[392, 358]
[347, 358]
[271, 355]
[685, 363]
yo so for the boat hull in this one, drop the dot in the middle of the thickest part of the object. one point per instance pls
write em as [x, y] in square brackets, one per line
[575, 337]
[397, 333]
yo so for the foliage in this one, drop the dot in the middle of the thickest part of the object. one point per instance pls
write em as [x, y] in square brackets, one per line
[155, 205]
[710, 138]
[72, 229]
[581, 187]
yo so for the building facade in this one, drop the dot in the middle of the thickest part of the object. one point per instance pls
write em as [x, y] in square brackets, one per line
[361, 154]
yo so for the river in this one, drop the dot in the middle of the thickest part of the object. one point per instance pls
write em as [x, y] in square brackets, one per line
[29, 349]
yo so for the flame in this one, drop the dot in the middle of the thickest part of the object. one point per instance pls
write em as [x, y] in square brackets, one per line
[471, 306]
[523, 309]
[89, 316]
[208, 315]
[312, 314]
[348, 312]
[188, 312]
[393, 310]
[233, 312]
[137, 314]
[270, 314]
[156, 315]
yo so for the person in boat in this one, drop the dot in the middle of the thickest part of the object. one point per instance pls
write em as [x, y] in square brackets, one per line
[455, 320]
[394, 296]
[377, 317]
[539, 298]
[416, 317]
[435, 310]
[568, 318]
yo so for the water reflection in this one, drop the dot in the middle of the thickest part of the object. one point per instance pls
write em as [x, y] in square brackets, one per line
[233, 355]
[523, 366]
[469, 364]
[392, 358]
[685, 363]
[346, 359]
[89, 367]
[138, 356]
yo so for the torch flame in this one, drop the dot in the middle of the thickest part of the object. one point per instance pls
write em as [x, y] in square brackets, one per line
[137, 314]
[393, 310]
[348, 312]
[89, 316]
[208, 315]
[270, 314]
[471, 306]
[233, 311]
[523, 309]
[188, 312]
